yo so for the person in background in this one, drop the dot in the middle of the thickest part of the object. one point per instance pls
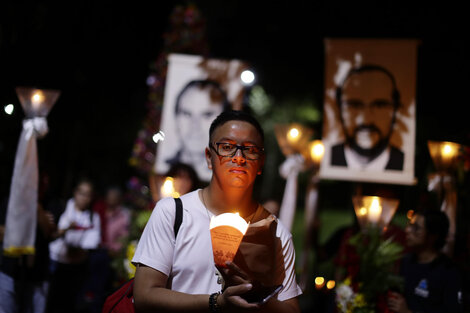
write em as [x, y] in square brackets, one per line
[115, 220]
[432, 280]
[185, 179]
[77, 235]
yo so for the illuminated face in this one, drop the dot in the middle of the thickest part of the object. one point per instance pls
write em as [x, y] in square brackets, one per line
[235, 171]
[197, 109]
[416, 232]
[83, 196]
[367, 108]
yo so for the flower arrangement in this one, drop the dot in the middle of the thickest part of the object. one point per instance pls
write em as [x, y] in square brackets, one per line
[122, 262]
[370, 273]
[349, 301]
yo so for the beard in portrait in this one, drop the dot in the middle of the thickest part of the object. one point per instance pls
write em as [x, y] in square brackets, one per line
[368, 100]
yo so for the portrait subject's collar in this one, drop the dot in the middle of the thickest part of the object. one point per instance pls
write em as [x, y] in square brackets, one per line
[359, 162]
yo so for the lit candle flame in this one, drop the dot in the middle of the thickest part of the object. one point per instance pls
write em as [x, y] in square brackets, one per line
[168, 188]
[448, 151]
[37, 99]
[319, 282]
[330, 284]
[231, 219]
[375, 210]
[293, 135]
[317, 150]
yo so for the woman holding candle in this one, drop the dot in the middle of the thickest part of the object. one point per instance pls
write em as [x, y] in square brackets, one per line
[179, 275]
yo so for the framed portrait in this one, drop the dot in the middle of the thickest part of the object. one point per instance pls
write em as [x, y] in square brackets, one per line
[197, 89]
[370, 110]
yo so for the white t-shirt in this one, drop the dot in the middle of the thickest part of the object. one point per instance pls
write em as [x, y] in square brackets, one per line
[86, 234]
[188, 262]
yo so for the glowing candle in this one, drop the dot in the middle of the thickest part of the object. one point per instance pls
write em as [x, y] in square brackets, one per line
[227, 231]
[375, 210]
[168, 188]
[448, 152]
[319, 282]
[316, 151]
[293, 135]
[37, 99]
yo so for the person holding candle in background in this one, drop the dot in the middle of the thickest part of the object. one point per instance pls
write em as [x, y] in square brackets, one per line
[180, 275]
[432, 280]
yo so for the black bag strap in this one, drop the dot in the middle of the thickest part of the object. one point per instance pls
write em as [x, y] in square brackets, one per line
[178, 220]
[178, 216]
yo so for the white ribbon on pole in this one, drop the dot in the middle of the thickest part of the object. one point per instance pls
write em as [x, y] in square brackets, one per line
[289, 170]
[20, 224]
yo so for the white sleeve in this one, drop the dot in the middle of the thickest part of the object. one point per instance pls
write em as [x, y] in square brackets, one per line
[64, 221]
[156, 245]
[92, 236]
[291, 289]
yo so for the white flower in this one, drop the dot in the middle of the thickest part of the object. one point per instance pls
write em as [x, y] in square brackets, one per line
[344, 296]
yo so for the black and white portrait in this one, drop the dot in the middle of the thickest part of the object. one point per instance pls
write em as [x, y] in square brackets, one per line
[369, 116]
[196, 91]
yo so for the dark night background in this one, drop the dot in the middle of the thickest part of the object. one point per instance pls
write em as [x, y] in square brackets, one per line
[98, 54]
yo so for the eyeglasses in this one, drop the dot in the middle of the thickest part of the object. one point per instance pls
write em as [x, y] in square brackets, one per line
[379, 105]
[225, 149]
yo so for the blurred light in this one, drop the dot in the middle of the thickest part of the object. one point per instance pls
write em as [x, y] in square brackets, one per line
[375, 210]
[362, 211]
[447, 150]
[37, 99]
[293, 134]
[410, 214]
[151, 80]
[9, 108]
[168, 188]
[444, 154]
[247, 77]
[158, 136]
[330, 284]
[319, 282]
[316, 151]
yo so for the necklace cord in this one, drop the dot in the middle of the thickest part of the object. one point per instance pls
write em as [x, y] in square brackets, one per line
[207, 210]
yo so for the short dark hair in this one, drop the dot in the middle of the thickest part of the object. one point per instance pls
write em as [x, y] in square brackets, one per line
[436, 223]
[177, 168]
[235, 115]
[85, 180]
[202, 83]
